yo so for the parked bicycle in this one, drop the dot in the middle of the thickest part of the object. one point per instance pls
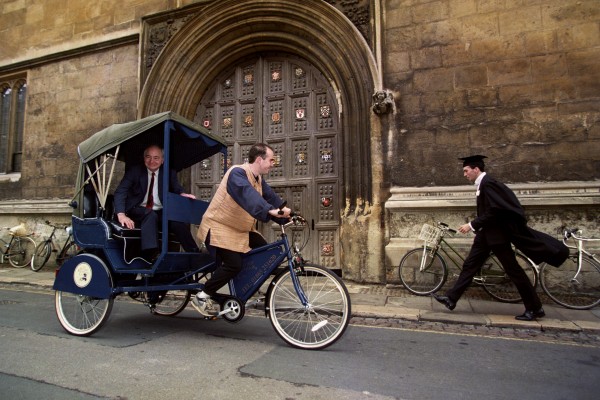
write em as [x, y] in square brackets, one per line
[424, 270]
[576, 283]
[19, 249]
[48, 246]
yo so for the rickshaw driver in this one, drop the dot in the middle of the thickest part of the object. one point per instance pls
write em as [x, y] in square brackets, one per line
[138, 201]
[227, 227]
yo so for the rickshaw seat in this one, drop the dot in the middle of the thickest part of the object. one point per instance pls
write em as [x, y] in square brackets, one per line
[180, 209]
[90, 203]
[90, 232]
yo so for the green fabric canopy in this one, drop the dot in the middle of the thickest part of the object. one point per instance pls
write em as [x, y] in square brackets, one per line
[189, 142]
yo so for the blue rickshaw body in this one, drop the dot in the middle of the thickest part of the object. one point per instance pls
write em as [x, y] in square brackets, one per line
[94, 228]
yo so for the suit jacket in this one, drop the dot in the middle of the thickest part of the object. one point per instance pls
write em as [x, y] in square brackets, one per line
[501, 219]
[132, 189]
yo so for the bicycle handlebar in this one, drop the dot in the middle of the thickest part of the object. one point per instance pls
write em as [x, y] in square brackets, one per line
[444, 226]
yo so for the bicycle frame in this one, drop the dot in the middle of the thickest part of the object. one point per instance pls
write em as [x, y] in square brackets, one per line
[5, 247]
[258, 265]
[579, 248]
[5, 253]
[442, 247]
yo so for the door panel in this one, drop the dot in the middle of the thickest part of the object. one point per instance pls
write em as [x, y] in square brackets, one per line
[287, 103]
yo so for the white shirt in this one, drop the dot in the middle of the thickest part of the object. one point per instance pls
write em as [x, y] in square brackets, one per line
[157, 204]
[477, 183]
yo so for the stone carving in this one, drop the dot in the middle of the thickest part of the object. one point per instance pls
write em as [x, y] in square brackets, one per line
[358, 12]
[161, 31]
[382, 102]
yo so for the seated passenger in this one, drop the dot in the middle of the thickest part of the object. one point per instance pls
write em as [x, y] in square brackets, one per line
[138, 202]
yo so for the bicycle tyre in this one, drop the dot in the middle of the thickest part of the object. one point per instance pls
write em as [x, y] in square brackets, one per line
[172, 302]
[426, 281]
[323, 321]
[68, 252]
[81, 315]
[21, 251]
[496, 282]
[41, 256]
[580, 294]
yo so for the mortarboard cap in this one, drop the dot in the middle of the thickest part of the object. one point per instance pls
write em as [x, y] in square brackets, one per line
[472, 159]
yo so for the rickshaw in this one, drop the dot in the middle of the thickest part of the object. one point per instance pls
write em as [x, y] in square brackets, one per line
[308, 305]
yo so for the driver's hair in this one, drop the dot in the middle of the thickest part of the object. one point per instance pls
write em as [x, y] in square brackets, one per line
[258, 150]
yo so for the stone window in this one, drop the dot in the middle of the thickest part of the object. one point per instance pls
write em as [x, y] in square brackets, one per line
[12, 118]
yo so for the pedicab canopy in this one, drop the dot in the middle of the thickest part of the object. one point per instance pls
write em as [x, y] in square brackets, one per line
[185, 143]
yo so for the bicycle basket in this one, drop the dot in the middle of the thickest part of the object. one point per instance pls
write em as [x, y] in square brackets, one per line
[430, 234]
[19, 230]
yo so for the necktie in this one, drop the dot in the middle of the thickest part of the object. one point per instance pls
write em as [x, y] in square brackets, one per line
[150, 202]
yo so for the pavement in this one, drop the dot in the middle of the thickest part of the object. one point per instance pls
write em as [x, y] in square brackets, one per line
[371, 303]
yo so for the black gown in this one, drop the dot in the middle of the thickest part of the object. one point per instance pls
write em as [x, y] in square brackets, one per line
[501, 221]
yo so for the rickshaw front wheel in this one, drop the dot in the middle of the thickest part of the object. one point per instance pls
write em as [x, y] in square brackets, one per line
[81, 315]
[320, 322]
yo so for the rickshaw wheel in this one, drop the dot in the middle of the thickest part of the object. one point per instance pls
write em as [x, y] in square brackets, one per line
[237, 309]
[81, 315]
[172, 302]
[319, 323]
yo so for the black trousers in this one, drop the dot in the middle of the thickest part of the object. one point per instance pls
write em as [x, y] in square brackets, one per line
[506, 255]
[149, 222]
[230, 263]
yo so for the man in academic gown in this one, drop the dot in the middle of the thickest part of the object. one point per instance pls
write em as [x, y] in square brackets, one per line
[501, 221]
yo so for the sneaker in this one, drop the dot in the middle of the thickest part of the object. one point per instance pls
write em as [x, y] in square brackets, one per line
[204, 305]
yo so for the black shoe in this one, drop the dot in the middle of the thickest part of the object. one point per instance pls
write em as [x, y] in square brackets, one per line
[529, 315]
[150, 255]
[449, 303]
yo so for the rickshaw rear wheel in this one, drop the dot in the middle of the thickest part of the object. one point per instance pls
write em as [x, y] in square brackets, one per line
[81, 315]
[236, 307]
[172, 302]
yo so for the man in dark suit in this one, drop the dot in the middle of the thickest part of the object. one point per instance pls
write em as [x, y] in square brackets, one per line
[138, 202]
[499, 218]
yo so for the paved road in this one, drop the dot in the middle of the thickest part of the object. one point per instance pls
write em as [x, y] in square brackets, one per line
[140, 356]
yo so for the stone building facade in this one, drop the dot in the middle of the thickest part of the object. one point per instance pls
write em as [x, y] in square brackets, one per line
[368, 102]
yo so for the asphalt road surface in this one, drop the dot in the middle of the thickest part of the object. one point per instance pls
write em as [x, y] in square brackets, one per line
[141, 356]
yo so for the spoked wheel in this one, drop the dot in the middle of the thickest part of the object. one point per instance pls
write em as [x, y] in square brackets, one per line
[81, 315]
[172, 302]
[21, 252]
[571, 286]
[41, 256]
[422, 271]
[68, 252]
[497, 283]
[236, 309]
[322, 321]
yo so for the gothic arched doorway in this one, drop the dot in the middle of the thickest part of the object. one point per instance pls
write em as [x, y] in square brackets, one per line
[284, 101]
[228, 31]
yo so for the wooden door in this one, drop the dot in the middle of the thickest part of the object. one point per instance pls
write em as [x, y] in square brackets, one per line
[288, 104]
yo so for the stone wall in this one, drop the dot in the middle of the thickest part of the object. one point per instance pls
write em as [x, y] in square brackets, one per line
[67, 101]
[81, 63]
[516, 80]
[36, 28]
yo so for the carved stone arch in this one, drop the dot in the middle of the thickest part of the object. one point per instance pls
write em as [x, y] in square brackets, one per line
[229, 30]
